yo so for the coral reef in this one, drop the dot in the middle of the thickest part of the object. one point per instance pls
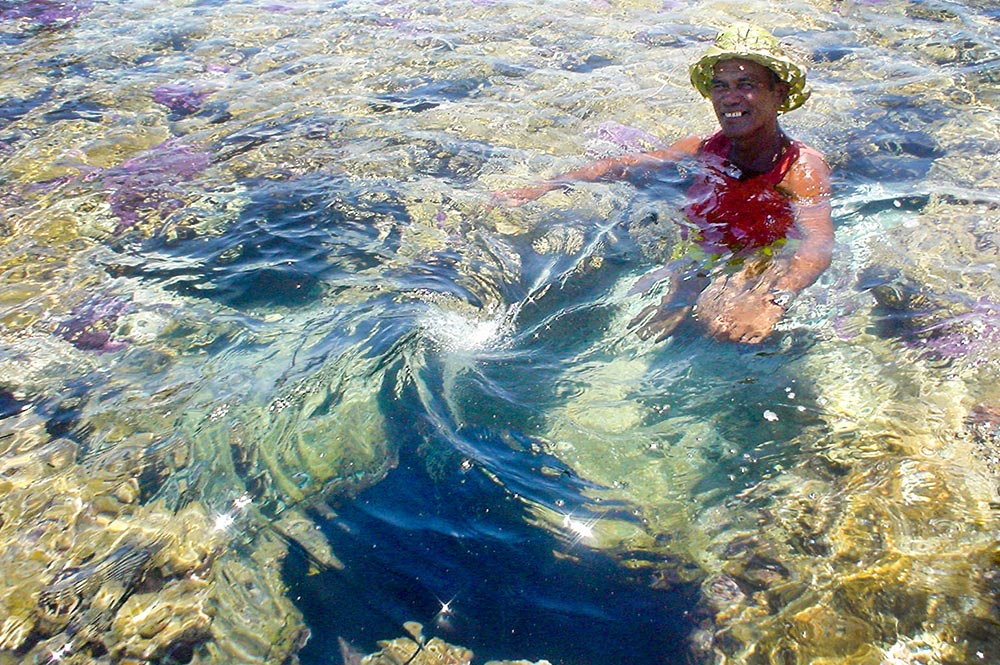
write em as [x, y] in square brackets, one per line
[232, 233]
[94, 570]
[416, 649]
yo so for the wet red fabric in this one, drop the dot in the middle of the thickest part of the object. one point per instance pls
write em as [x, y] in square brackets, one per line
[733, 212]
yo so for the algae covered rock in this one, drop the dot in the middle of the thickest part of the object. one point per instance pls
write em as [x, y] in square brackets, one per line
[77, 556]
[417, 649]
[91, 570]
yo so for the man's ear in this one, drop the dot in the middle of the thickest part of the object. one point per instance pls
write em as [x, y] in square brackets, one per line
[783, 89]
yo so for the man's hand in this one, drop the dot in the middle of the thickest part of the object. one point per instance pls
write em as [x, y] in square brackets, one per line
[658, 321]
[736, 308]
[521, 195]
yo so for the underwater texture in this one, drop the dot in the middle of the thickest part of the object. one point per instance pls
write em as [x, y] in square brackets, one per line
[250, 268]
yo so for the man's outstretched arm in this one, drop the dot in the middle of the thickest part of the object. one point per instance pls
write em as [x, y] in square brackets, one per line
[625, 167]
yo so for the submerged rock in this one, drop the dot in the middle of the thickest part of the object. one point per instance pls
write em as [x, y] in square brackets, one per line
[415, 649]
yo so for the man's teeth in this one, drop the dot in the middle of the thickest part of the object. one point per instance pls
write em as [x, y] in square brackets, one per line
[734, 114]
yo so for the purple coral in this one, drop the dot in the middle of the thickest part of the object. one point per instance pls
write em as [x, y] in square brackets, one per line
[92, 324]
[973, 335]
[148, 182]
[181, 98]
[44, 13]
[625, 138]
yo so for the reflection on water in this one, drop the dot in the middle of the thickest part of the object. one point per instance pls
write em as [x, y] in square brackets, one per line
[276, 378]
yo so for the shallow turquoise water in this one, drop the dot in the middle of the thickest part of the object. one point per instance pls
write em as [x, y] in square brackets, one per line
[260, 320]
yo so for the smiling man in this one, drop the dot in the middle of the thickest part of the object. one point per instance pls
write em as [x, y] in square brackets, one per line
[759, 207]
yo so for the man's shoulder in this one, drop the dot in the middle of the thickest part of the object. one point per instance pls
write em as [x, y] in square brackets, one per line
[809, 155]
[809, 176]
[687, 146]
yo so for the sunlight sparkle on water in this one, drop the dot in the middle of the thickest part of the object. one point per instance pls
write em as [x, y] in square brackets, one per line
[226, 520]
[446, 607]
[60, 653]
[580, 529]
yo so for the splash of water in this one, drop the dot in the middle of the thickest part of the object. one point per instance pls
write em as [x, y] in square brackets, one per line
[461, 333]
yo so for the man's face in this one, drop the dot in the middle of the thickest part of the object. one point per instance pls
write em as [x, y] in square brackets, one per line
[746, 96]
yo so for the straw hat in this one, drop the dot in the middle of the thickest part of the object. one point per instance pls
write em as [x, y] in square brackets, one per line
[749, 42]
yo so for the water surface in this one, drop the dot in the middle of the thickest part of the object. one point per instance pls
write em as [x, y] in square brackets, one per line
[276, 377]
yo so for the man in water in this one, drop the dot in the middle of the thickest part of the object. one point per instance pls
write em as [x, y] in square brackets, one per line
[759, 207]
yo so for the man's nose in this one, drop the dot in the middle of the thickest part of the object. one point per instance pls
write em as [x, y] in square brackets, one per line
[730, 95]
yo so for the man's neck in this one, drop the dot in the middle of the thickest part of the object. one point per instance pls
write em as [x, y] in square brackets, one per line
[759, 152]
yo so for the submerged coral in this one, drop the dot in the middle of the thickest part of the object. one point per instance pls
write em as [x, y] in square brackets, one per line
[149, 183]
[417, 649]
[93, 325]
[45, 13]
[614, 138]
[181, 98]
[92, 567]
[972, 335]
[79, 549]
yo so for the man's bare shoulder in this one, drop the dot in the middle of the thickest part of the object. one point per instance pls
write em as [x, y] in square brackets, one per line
[685, 147]
[811, 157]
[809, 176]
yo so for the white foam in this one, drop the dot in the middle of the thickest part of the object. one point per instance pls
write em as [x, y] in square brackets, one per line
[458, 332]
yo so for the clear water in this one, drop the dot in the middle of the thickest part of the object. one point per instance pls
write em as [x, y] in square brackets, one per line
[272, 366]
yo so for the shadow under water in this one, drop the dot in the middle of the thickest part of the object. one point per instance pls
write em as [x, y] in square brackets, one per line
[455, 553]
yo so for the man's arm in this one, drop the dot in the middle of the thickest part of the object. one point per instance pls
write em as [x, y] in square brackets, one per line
[808, 185]
[612, 168]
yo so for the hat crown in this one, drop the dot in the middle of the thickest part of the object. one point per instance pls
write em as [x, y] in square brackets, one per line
[747, 37]
[749, 42]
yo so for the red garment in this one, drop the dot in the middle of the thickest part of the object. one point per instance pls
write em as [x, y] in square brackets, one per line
[733, 212]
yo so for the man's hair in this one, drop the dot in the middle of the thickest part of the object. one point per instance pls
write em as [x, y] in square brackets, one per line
[775, 79]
